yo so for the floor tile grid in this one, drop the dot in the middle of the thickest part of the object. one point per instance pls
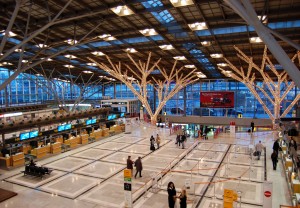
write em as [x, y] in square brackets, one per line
[164, 173]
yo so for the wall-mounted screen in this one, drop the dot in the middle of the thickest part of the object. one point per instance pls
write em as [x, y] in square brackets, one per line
[33, 134]
[61, 128]
[68, 126]
[24, 136]
[217, 99]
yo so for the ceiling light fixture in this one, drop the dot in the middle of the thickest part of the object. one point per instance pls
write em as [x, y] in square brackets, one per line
[222, 64]
[180, 58]
[206, 43]
[41, 45]
[190, 66]
[24, 61]
[198, 26]
[148, 32]
[47, 59]
[10, 34]
[255, 40]
[166, 47]
[263, 19]
[69, 66]
[216, 55]
[107, 37]
[87, 72]
[71, 41]
[179, 3]
[18, 50]
[70, 56]
[130, 50]
[6, 64]
[91, 64]
[122, 11]
[98, 53]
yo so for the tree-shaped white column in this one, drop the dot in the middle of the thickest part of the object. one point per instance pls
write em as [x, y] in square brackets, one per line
[141, 72]
[273, 88]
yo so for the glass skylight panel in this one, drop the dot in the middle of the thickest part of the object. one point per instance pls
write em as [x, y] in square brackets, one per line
[122, 11]
[198, 26]
[166, 47]
[98, 53]
[179, 3]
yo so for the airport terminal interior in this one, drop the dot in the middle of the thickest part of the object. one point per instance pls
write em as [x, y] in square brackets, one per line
[85, 84]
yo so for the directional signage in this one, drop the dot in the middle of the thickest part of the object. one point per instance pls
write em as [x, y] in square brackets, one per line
[127, 186]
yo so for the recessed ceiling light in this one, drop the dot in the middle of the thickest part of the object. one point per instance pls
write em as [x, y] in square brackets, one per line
[148, 32]
[38, 75]
[6, 64]
[190, 66]
[216, 55]
[71, 41]
[166, 47]
[181, 58]
[47, 59]
[198, 26]
[222, 64]
[255, 40]
[24, 61]
[202, 76]
[98, 53]
[206, 43]
[41, 45]
[10, 34]
[122, 11]
[91, 64]
[70, 56]
[69, 66]
[18, 50]
[87, 72]
[179, 3]
[107, 37]
[263, 19]
[130, 50]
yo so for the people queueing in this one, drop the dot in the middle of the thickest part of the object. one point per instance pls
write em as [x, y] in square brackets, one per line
[171, 194]
[139, 167]
[252, 126]
[157, 141]
[274, 157]
[259, 148]
[183, 199]
[152, 142]
[129, 164]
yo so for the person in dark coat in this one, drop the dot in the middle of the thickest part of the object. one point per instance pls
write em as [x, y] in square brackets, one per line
[276, 147]
[152, 142]
[139, 167]
[274, 157]
[252, 126]
[129, 164]
[171, 194]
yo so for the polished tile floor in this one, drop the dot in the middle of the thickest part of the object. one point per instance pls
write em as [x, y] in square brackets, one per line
[91, 176]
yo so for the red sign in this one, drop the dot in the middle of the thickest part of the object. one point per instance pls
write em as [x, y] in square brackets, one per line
[217, 99]
[268, 194]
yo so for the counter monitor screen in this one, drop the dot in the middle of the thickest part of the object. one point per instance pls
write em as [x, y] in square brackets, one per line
[24, 136]
[93, 121]
[88, 122]
[122, 115]
[61, 128]
[110, 117]
[33, 134]
[68, 126]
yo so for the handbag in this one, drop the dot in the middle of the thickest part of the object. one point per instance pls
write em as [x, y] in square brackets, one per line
[255, 153]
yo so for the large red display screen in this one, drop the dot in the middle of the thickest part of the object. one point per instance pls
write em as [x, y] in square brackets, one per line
[217, 99]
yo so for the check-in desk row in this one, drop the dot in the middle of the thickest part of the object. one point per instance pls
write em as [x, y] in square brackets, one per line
[13, 161]
[41, 152]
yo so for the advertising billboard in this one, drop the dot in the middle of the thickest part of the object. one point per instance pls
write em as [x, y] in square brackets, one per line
[217, 99]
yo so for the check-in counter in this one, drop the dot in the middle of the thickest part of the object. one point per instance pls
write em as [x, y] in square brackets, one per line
[17, 159]
[296, 186]
[122, 127]
[26, 149]
[97, 134]
[116, 129]
[105, 132]
[55, 148]
[288, 163]
[5, 162]
[39, 152]
[59, 139]
[84, 139]
[72, 142]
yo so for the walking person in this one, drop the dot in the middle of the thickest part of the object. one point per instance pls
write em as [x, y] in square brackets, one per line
[152, 141]
[293, 148]
[177, 139]
[252, 126]
[276, 146]
[183, 199]
[258, 148]
[139, 167]
[157, 141]
[274, 157]
[183, 139]
[130, 164]
[171, 194]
